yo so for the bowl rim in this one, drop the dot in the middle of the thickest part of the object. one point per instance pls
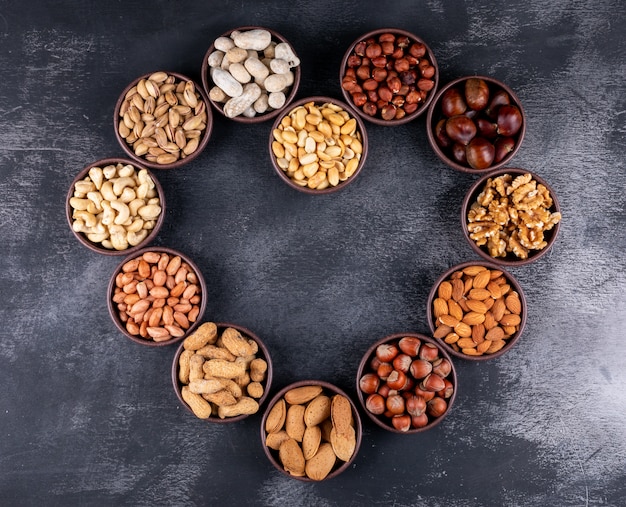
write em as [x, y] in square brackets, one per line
[358, 426]
[100, 249]
[204, 140]
[113, 311]
[364, 141]
[367, 356]
[268, 378]
[409, 117]
[514, 282]
[439, 152]
[470, 197]
[207, 84]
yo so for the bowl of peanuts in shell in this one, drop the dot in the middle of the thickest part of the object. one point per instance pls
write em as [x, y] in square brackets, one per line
[115, 206]
[156, 296]
[250, 74]
[311, 431]
[163, 120]
[319, 145]
[406, 383]
[389, 76]
[476, 310]
[511, 217]
[222, 372]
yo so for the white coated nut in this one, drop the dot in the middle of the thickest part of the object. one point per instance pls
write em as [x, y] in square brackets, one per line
[237, 105]
[223, 43]
[276, 100]
[249, 112]
[236, 55]
[229, 85]
[261, 104]
[217, 94]
[256, 68]
[283, 51]
[257, 39]
[270, 50]
[239, 72]
[215, 58]
[279, 66]
[275, 83]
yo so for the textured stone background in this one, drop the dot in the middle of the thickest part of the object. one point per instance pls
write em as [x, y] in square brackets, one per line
[89, 418]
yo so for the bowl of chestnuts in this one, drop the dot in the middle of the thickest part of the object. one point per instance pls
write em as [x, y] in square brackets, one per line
[511, 216]
[389, 76]
[406, 382]
[475, 123]
[476, 310]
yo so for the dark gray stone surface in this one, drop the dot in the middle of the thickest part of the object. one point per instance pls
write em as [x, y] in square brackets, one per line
[89, 418]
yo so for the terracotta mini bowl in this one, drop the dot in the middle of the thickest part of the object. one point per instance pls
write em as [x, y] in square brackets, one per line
[87, 215]
[156, 296]
[335, 167]
[406, 383]
[202, 344]
[165, 124]
[511, 242]
[389, 76]
[481, 139]
[218, 97]
[311, 431]
[476, 310]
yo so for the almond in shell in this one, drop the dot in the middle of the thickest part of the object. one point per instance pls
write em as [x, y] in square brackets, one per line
[276, 417]
[321, 464]
[274, 440]
[311, 441]
[317, 410]
[294, 422]
[343, 442]
[302, 395]
[341, 414]
[291, 457]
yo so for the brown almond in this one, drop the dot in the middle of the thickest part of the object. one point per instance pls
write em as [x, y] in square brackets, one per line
[451, 338]
[458, 289]
[320, 465]
[474, 270]
[510, 319]
[476, 306]
[490, 321]
[473, 318]
[302, 395]
[466, 343]
[343, 442]
[498, 309]
[496, 345]
[440, 307]
[294, 422]
[454, 309]
[448, 320]
[445, 290]
[496, 273]
[494, 290]
[482, 279]
[317, 410]
[311, 441]
[442, 331]
[513, 303]
[478, 333]
[483, 346]
[291, 457]
[470, 352]
[276, 417]
[494, 334]
[479, 294]
[463, 330]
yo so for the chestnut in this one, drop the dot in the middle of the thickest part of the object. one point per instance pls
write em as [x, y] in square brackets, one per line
[476, 93]
[503, 146]
[508, 120]
[458, 153]
[480, 153]
[460, 129]
[452, 103]
[486, 128]
[498, 98]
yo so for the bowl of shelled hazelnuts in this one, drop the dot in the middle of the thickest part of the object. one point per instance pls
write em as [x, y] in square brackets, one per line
[406, 383]
[389, 76]
[475, 123]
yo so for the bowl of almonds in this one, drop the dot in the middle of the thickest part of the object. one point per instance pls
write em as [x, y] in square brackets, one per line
[156, 296]
[250, 74]
[115, 206]
[319, 145]
[222, 372]
[389, 76]
[163, 120]
[511, 217]
[476, 310]
[311, 430]
[406, 383]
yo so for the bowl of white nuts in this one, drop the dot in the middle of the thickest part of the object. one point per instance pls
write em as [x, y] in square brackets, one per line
[250, 74]
[163, 120]
[115, 206]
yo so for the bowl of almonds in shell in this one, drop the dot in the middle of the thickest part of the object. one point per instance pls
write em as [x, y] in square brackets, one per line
[311, 430]
[476, 310]
[163, 120]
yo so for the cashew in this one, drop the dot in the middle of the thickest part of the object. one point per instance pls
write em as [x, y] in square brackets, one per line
[142, 191]
[78, 203]
[120, 183]
[128, 194]
[149, 211]
[135, 226]
[96, 199]
[84, 186]
[88, 219]
[97, 238]
[97, 177]
[107, 191]
[134, 206]
[109, 172]
[118, 237]
[126, 171]
[78, 225]
[134, 238]
[123, 213]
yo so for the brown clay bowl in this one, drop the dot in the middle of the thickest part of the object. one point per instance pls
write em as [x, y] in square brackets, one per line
[76, 199]
[504, 140]
[413, 366]
[317, 101]
[353, 59]
[290, 94]
[501, 311]
[327, 437]
[262, 353]
[524, 255]
[145, 155]
[126, 290]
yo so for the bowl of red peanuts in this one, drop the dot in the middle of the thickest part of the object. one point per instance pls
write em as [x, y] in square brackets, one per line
[389, 76]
